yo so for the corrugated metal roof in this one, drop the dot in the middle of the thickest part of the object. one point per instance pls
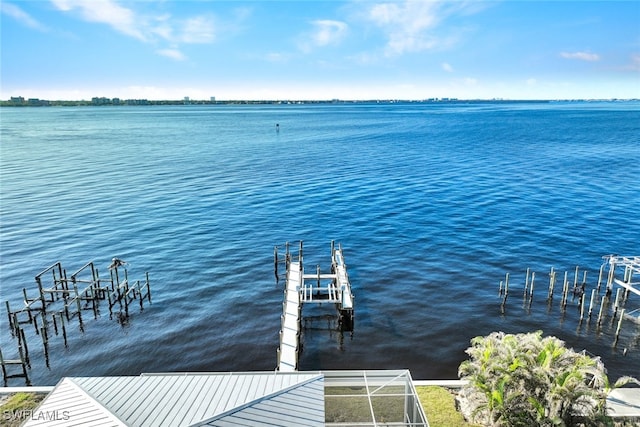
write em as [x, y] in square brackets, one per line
[300, 405]
[158, 400]
[69, 405]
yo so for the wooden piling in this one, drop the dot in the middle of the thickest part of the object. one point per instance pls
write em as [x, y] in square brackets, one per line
[526, 283]
[612, 272]
[593, 293]
[23, 348]
[533, 279]
[616, 303]
[64, 330]
[552, 280]
[275, 263]
[11, 326]
[601, 309]
[619, 326]
[565, 291]
[600, 277]
[506, 286]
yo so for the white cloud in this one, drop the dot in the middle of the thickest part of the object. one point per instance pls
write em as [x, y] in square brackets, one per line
[328, 32]
[21, 16]
[582, 56]
[107, 12]
[197, 30]
[146, 28]
[447, 67]
[409, 26]
[325, 32]
[172, 53]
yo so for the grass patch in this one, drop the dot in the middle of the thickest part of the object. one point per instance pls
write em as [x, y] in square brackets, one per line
[16, 409]
[439, 406]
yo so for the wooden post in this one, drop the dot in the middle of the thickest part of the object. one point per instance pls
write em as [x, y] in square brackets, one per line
[55, 324]
[565, 291]
[94, 303]
[628, 281]
[11, 325]
[300, 253]
[582, 306]
[526, 283]
[64, 329]
[499, 288]
[506, 292]
[600, 277]
[23, 348]
[616, 303]
[44, 303]
[506, 285]
[575, 279]
[75, 289]
[35, 324]
[612, 272]
[601, 307]
[45, 343]
[552, 280]
[275, 263]
[593, 293]
[619, 325]
[148, 287]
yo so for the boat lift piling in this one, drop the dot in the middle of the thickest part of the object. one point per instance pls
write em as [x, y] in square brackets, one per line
[619, 276]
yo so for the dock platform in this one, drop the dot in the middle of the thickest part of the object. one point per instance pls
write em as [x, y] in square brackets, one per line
[305, 288]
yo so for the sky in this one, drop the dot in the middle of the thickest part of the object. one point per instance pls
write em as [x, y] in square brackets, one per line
[304, 50]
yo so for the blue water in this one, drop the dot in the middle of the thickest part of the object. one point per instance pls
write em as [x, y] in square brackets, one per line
[432, 203]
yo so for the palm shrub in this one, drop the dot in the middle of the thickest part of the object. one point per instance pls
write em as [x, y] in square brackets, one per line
[528, 380]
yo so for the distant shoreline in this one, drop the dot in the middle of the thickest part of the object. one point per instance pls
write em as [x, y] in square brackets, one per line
[116, 102]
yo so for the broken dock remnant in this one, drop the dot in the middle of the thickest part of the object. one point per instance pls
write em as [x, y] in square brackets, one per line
[61, 297]
[317, 287]
[616, 302]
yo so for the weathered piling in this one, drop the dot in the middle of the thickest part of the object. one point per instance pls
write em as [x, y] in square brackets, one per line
[618, 328]
[593, 293]
[565, 291]
[601, 310]
[552, 282]
[59, 297]
[600, 277]
[578, 284]
[5, 363]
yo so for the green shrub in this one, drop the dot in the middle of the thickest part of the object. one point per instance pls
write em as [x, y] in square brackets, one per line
[528, 380]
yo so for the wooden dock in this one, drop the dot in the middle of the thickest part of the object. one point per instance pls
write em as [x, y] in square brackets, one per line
[305, 288]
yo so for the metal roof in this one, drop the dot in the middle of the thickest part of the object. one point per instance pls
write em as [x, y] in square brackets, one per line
[190, 399]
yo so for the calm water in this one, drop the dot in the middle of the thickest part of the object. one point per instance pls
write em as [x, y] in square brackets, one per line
[433, 204]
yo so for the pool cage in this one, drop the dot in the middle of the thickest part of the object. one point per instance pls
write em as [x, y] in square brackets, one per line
[371, 398]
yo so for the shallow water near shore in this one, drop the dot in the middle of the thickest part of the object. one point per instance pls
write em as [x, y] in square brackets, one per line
[432, 203]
